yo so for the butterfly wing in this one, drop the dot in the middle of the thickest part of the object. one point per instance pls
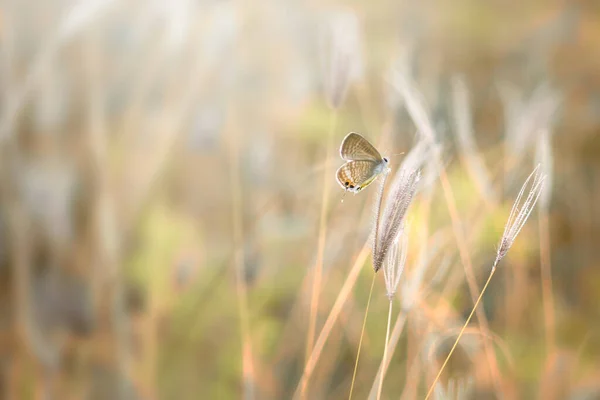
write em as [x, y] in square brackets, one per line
[355, 147]
[356, 175]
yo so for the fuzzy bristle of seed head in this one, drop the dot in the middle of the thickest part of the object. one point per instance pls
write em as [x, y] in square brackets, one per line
[388, 224]
[520, 212]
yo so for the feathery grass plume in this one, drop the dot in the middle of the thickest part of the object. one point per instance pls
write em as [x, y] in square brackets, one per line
[395, 261]
[524, 118]
[464, 133]
[400, 197]
[377, 212]
[519, 213]
[516, 220]
[342, 52]
[417, 159]
[415, 104]
[537, 112]
[430, 147]
[401, 61]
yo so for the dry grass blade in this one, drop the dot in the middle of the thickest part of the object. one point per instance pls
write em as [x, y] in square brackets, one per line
[349, 283]
[318, 269]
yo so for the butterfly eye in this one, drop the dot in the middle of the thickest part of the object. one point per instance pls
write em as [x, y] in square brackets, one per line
[347, 183]
[351, 186]
[385, 159]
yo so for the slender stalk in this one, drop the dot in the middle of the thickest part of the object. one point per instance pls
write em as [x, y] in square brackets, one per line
[362, 333]
[462, 330]
[393, 342]
[385, 349]
[318, 270]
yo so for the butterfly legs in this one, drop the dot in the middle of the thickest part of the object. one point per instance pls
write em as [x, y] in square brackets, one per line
[350, 188]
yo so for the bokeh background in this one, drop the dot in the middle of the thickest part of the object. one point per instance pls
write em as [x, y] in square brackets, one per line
[171, 228]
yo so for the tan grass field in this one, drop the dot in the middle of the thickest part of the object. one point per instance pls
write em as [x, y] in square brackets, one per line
[171, 226]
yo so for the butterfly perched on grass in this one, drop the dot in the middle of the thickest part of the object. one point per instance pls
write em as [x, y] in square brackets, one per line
[363, 163]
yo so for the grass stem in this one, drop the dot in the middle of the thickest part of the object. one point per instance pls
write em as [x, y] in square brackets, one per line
[385, 350]
[362, 333]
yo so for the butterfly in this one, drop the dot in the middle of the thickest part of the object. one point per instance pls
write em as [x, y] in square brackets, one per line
[363, 163]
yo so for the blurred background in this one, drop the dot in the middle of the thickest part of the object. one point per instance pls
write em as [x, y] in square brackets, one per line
[171, 228]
